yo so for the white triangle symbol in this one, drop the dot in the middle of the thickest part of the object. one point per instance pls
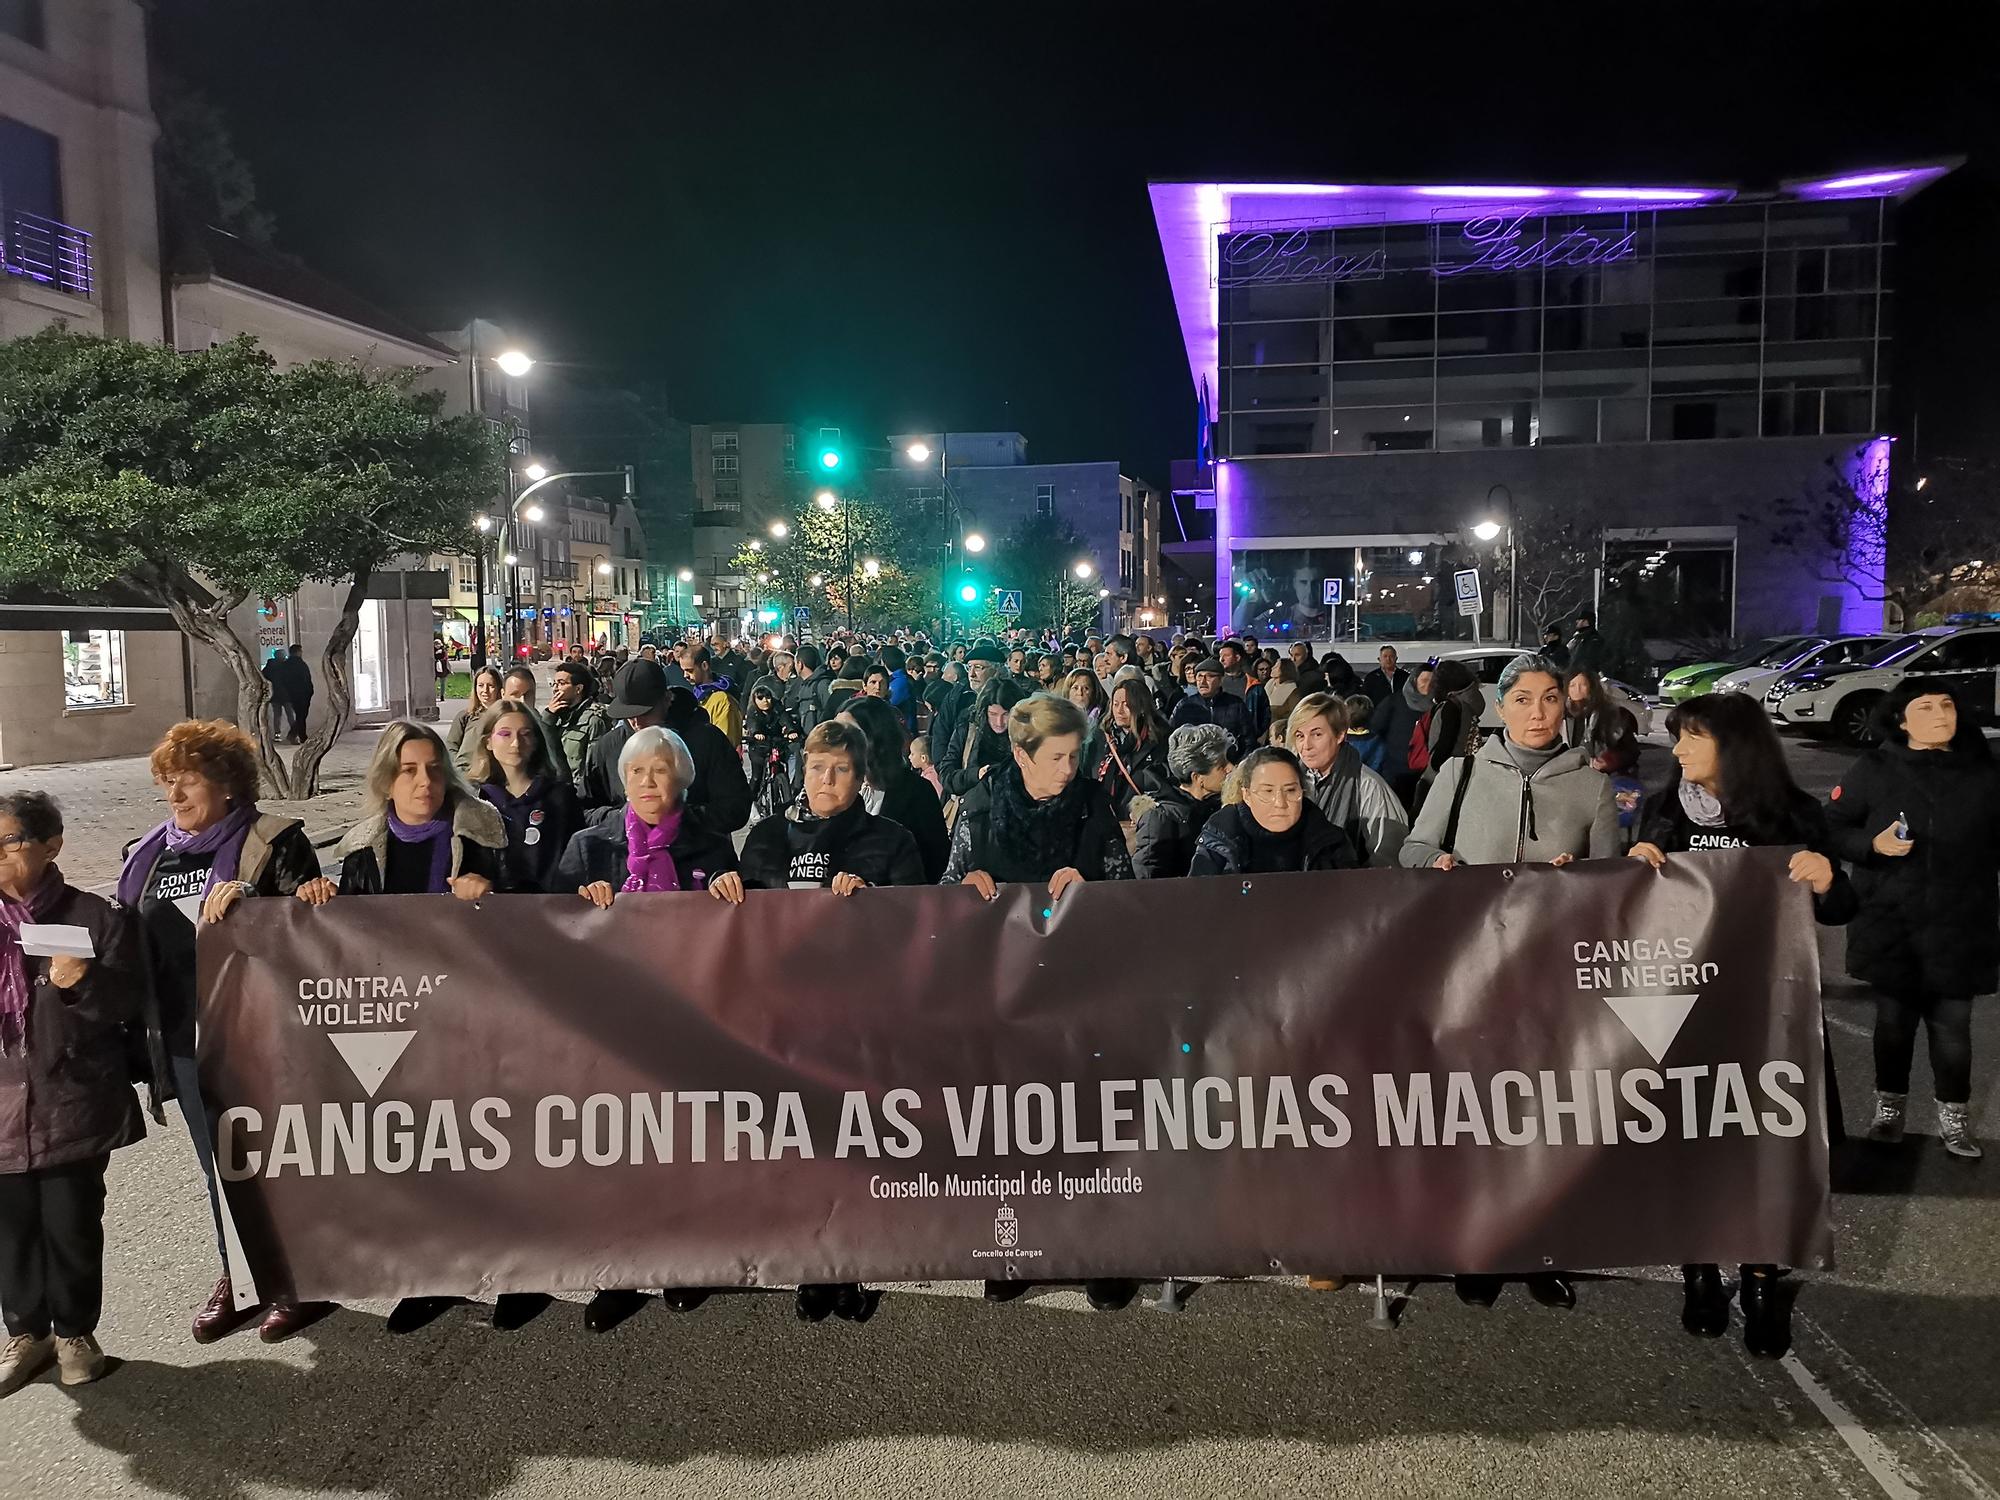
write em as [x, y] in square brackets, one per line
[371, 1054]
[1654, 1019]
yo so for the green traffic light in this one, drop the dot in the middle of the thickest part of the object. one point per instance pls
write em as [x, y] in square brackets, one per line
[969, 592]
[829, 458]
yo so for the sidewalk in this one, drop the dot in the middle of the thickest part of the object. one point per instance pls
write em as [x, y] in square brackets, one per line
[108, 803]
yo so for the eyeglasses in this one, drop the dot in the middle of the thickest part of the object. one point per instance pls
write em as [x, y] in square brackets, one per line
[10, 842]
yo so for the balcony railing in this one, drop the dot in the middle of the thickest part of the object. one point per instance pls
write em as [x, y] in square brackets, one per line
[42, 250]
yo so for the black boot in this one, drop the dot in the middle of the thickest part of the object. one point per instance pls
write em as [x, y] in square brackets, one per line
[1111, 1295]
[512, 1310]
[684, 1298]
[1705, 1305]
[856, 1303]
[1767, 1312]
[1552, 1289]
[814, 1301]
[1006, 1291]
[412, 1313]
[608, 1309]
[1478, 1291]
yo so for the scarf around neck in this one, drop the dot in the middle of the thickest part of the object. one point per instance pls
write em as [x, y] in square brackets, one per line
[14, 963]
[436, 833]
[649, 862]
[1040, 834]
[1702, 806]
[223, 838]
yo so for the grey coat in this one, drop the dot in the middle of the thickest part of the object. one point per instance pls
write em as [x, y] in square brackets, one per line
[1511, 818]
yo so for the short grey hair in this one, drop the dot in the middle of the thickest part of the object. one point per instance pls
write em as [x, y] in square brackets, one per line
[1195, 750]
[655, 740]
[778, 656]
[1527, 664]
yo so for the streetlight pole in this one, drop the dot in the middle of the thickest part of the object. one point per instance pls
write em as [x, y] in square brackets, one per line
[514, 510]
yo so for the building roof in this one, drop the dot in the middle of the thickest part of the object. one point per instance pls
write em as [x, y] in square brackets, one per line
[210, 254]
[1191, 215]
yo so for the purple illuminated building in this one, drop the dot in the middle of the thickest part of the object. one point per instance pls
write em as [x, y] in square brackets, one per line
[1378, 369]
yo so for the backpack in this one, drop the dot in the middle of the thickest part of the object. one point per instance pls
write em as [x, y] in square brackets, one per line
[1419, 749]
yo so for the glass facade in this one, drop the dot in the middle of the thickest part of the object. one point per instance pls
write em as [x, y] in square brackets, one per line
[1735, 321]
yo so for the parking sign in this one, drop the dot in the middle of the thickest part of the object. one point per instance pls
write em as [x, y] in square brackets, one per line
[1330, 591]
[1465, 582]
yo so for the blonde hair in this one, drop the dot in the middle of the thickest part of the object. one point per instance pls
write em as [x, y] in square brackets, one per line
[1040, 717]
[388, 756]
[1329, 706]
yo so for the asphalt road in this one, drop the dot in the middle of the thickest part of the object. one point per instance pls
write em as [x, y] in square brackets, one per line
[1255, 1389]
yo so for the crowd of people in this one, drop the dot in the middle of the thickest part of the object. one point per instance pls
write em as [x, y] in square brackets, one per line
[856, 765]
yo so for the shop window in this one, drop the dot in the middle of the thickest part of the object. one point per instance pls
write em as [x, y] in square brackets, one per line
[1671, 591]
[94, 669]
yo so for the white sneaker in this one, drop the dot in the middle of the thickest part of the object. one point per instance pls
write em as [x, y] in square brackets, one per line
[23, 1358]
[1955, 1130]
[81, 1360]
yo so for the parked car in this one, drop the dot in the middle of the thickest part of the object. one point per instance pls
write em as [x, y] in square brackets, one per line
[1839, 652]
[1699, 677]
[1487, 663]
[1841, 700]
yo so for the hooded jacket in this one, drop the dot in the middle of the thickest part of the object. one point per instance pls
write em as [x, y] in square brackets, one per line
[1226, 843]
[1225, 709]
[478, 837]
[597, 853]
[67, 1095]
[1508, 816]
[780, 852]
[577, 727]
[719, 790]
[1929, 920]
[1167, 825]
[1361, 805]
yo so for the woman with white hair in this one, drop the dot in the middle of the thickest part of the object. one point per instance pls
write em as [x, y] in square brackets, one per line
[657, 843]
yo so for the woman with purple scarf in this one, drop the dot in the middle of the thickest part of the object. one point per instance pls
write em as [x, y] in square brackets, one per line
[214, 848]
[71, 995]
[656, 842]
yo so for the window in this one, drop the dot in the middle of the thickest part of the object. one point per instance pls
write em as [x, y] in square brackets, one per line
[791, 452]
[723, 442]
[22, 19]
[94, 669]
[628, 548]
[723, 463]
[30, 178]
[468, 575]
[1965, 653]
[1045, 499]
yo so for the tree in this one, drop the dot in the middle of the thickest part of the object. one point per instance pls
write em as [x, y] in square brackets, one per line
[819, 544]
[1038, 557]
[1554, 557]
[212, 478]
[200, 170]
[1895, 541]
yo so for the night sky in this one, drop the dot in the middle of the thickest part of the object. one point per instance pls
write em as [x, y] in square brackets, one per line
[936, 216]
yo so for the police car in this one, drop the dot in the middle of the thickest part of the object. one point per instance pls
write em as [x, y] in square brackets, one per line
[1840, 700]
[1837, 652]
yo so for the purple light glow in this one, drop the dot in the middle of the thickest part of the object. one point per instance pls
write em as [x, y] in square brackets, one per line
[1897, 181]
[1225, 535]
[1869, 179]
[1501, 194]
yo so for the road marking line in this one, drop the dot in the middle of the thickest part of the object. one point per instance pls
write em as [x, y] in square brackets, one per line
[1852, 1028]
[1883, 1467]
[1968, 1478]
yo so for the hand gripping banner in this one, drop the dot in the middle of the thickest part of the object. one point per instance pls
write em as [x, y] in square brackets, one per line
[1497, 1070]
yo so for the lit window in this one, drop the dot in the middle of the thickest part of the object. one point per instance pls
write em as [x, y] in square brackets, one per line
[94, 668]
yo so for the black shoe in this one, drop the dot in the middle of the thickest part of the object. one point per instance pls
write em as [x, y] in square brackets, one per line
[1552, 1289]
[1478, 1291]
[856, 1303]
[512, 1310]
[607, 1310]
[684, 1298]
[413, 1313]
[1767, 1312]
[815, 1301]
[1705, 1307]
[1111, 1295]
[1007, 1291]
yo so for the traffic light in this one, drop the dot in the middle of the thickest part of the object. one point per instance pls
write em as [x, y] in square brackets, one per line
[829, 458]
[969, 592]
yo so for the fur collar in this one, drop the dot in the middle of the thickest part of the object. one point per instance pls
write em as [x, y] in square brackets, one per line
[472, 819]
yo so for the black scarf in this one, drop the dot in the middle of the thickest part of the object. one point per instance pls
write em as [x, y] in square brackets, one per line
[1038, 835]
[1274, 853]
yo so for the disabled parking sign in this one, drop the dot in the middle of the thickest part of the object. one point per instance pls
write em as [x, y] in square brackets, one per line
[1465, 582]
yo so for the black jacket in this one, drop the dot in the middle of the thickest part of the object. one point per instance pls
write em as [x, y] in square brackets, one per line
[539, 827]
[1225, 709]
[912, 802]
[598, 853]
[1378, 686]
[67, 1096]
[1145, 772]
[1224, 846]
[720, 791]
[779, 855]
[1929, 921]
[1167, 830]
[479, 839]
[1667, 826]
[1090, 840]
[763, 731]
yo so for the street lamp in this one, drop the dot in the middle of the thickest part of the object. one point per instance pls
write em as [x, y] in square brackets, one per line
[827, 500]
[871, 567]
[510, 559]
[974, 542]
[1487, 530]
[919, 452]
[536, 471]
[1083, 569]
[484, 523]
[513, 362]
[534, 515]
[818, 580]
[756, 544]
[779, 530]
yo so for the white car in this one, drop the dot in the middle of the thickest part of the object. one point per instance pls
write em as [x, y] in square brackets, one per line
[1488, 662]
[1838, 652]
[1841, 700]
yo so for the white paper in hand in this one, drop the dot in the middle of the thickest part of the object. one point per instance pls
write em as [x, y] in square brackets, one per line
[54, 940]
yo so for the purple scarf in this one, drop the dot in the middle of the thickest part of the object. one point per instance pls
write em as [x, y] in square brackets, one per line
[14, 963]
[223, 839]
[437, 833]
[649, 866]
